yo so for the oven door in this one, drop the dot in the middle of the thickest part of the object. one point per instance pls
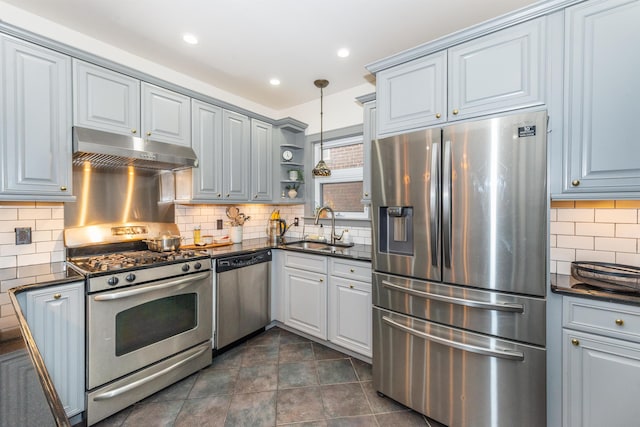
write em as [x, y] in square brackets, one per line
[131, 328]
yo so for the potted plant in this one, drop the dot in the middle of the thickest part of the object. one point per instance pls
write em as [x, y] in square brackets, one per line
[292, 190]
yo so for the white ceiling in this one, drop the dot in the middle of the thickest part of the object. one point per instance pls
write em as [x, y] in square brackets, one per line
[244, 43]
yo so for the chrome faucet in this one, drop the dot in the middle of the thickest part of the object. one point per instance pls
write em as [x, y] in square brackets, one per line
[334, 236]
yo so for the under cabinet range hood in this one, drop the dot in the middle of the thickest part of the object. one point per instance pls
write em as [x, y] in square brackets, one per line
[111, 150]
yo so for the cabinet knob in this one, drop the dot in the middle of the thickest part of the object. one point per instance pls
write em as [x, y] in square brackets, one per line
[350, 286]
[322, 280]
[352, 270]
[219, 195]
[575, 342]
[366, 194]
[149, 133]
[57, 296]
[63, 188]
[455, 112]
[227, 195]
[438, 115]
[619, 322]
[575, 182]
[255, 196]
[134, 131]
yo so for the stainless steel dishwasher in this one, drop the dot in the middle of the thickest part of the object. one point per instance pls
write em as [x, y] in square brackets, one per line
[242, 296]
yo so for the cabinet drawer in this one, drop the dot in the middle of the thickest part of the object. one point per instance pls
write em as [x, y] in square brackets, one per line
[351, 284]
[307, 262]
[603, 318]
[350, 269]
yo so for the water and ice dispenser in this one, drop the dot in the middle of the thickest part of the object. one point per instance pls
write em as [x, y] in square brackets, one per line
[396, 230]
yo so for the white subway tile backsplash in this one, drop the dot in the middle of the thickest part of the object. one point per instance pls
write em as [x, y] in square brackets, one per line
[575, 242]
[553, 215]
[628, 259]
[566, 228]
[563, 267]
[10, 214]
[8, 261]
[628, 230]
[595, 229]
[601, 256]
[30, 259]
[552, 266]
[9, 226]
[562, 254]
[35, 213]
[49, 224]
[553, 241]
[8, 250]
[625, 216]
[616, 244]
[575, 215]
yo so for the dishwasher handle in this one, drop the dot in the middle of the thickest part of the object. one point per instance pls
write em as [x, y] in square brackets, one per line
[243, 260]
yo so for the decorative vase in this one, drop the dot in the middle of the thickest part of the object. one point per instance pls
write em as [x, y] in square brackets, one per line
[236, 234]
[292, 193]
[293, 175]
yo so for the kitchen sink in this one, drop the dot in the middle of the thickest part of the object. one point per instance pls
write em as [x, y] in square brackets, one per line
[314, 245]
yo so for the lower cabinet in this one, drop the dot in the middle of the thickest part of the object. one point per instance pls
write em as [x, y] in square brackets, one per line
[55, 316]
[329, 298]
[601, 363]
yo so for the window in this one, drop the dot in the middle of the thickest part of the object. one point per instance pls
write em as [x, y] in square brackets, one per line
[342, 191]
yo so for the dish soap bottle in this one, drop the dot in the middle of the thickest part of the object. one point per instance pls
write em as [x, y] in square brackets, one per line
[196, 235]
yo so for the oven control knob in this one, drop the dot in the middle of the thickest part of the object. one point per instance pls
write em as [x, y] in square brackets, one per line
[185, 268]
[130, 277]
[112, 281]
[197, 266]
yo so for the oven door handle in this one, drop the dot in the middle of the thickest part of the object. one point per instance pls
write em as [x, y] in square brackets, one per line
[197, 352]
[163, 285]
[502, 354]
[497, 306]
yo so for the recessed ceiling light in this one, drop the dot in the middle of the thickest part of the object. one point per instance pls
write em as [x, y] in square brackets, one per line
[343, 53]
[190, 38]
[274, 82]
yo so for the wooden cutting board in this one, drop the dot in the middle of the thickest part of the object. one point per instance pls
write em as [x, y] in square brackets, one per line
[209, 246]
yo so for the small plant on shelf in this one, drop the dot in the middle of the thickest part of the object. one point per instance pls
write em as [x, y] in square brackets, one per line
[294, 186]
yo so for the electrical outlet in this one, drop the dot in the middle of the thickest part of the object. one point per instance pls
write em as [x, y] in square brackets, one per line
[218, 224]
[23, 235]
[296, 221]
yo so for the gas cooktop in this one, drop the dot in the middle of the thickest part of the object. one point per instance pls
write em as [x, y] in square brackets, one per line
[132, 259]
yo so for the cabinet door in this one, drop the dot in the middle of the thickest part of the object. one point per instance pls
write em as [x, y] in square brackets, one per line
[602, 146]
[412, 95]
[105, 100]
[305, 301]
[236, 154]
[350, 314]
[166, 115]
[55, 316]
[261, 161]
[498, 72]
[601, 381]
[368, 134]
[207, 143]
[35, 141]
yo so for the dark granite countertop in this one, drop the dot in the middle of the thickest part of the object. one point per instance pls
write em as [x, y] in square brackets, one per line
[566, 285]
[355, 252]
[28, 395]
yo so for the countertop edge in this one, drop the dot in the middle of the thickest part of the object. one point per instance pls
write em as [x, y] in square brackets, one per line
[561, 284]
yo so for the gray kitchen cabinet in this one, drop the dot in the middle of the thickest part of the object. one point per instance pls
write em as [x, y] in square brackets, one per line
[261, 161]
[601, 149]
[236, 155]
[412, 95]
[601, 363]
[105, 100]
[166, 115]
[500, 71]
[368, 134]
[55, 316]
[35, 141]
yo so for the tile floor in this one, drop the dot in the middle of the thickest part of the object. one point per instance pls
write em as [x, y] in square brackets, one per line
[276, 378]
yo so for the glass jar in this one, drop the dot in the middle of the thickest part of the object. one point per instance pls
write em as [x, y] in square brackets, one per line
[196, 235]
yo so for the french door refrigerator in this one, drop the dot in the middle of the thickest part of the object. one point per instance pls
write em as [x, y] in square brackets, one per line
[459, 259]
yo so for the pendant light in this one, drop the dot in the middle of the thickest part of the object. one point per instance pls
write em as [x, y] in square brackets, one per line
[321, 168]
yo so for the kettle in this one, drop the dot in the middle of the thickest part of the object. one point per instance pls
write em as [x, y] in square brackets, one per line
[275, 230]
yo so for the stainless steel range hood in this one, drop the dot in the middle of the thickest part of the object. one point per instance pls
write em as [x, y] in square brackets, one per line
[111, 150]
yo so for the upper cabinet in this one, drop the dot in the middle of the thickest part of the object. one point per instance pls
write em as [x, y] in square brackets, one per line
[236, 146]
[114, 102]
[35, 141]
[497, 72]
[261, 161]
[601, 150]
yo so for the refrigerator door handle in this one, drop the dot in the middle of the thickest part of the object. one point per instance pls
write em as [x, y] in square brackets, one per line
[502, 354]
[433, 202]
[446, 204]
[497, 306]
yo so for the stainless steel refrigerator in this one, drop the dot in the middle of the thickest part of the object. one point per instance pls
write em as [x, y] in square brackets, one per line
[459, 259]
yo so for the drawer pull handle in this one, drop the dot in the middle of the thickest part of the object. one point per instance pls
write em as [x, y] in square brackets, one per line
[575, 342]
[619, 322]
[57, 296]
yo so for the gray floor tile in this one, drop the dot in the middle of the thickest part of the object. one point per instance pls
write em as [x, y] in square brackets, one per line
[252, 409]
[404, 419]
[214, 382]
[295, 352]
[359, 421]
[343, 400]
[379, 404]
[257, 378]
[300, 404]
[229, 359]
[297, 374]
[154, 414]
[287, 337]
[363, 369]
[323, 352]
[208, 411]
[259, 355]
[269, 338]
[336, 371]
[177, 391]
[117, 419]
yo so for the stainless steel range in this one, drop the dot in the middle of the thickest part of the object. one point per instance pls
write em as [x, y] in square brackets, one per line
[149, 314]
